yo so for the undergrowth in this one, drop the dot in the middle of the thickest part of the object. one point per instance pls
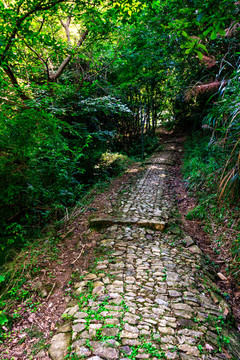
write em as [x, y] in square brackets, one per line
[202, 168]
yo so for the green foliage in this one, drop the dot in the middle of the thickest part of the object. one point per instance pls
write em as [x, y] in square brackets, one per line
[202, 168]
[151, 144]
[200, 163]
[39, 167]
[224, 119]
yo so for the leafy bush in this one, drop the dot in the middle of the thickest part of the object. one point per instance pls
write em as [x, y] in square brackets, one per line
[40, 169]
[49, 153]
[112, 164]
[151, 143]
[224, 119]
[202, 168]
[202, 163]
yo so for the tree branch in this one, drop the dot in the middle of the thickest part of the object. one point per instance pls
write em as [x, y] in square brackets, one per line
[37, 7]
[14, 81]
[41, 26]
[34, 51]
[66, 27]
[19, 6]
[54, 76]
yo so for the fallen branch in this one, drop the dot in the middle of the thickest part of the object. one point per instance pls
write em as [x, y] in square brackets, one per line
[78, 255]
[51, 291]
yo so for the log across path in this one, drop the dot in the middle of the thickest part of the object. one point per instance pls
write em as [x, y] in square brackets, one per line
[147, 296]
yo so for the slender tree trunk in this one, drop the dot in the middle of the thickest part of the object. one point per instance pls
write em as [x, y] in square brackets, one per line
[14, 81]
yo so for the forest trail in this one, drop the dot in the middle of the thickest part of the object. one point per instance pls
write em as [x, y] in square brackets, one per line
[147, 296]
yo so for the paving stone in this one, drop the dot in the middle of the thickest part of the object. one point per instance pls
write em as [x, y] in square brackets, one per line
[128, 334]
[166, 330]
[78, 343]
[65, 328]
[110, 331]
[174, 293]
[80, 315]
[195, 249]
[83, 351]
[188, 241]
[126, 350]
[59, 346]
[189, 350]
[130, 342]
[131, 329]
[149, 288]
[107, 353]
[78, 327]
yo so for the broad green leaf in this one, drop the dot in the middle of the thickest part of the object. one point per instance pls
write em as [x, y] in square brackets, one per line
[200, 55]
[206, 32]
[213, 34]
[222, 32]
[201, 46]
[200, 16]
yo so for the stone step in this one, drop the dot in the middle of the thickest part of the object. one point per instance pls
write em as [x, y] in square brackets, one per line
[144, 223]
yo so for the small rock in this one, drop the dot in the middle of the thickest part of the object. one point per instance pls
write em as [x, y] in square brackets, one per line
[80, 315]
[209, 347]
[126, 350]
[129, 335]
[107, 352]
[99, 290]
[182, 307]
[152, 224]
[97, 283]
[111, 343]
[83, 351]
[131, 329]
[78, 343]
[188, 241]
[225, 308]
[195, 250]
[110, 331]
[166, 330]
[59, 346]
[78, 327]
[174, 293]
[71, 310]
[65, 328]
[130, 342]
[161, 302]
[90, 277]
[189, 350]
[80, 284]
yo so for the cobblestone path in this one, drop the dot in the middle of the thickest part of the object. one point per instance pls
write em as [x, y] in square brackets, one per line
[147, 296]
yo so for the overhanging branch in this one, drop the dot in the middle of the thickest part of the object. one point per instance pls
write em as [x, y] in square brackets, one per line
[54, 76]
